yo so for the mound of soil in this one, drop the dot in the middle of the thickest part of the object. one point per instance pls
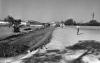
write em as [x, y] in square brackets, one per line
[85, 44]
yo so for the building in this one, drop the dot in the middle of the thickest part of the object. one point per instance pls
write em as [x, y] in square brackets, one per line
[4, 23]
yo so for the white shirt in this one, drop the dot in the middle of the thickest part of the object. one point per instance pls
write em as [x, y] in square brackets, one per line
[77, 26]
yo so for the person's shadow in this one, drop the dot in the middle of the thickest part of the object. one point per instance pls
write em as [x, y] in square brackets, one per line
[80, 33]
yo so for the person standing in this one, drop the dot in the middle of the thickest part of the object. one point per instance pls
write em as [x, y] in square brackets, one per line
[78, 27]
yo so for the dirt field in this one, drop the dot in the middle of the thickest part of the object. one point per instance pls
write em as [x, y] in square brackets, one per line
[5, 31]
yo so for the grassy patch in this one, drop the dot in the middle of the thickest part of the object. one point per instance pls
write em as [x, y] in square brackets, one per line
[17, 44]
[7, 50]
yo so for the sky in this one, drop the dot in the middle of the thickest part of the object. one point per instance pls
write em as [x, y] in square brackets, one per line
[50, 10]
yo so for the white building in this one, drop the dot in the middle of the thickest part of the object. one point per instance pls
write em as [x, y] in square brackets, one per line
[23, 23]
[4, 23]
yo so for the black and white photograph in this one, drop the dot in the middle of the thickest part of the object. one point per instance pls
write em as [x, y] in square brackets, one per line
[49, 31]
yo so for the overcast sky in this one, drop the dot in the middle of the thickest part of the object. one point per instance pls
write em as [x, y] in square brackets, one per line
[50, 10]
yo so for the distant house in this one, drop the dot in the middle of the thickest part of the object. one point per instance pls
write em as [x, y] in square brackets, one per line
[3, 23]
[53, 24]
[34, 24]
[56, 24]
[23, 23]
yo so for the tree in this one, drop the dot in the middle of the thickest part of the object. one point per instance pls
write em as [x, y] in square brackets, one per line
[14, 23]
[70, 22]
[93, 23]
[9, 19]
